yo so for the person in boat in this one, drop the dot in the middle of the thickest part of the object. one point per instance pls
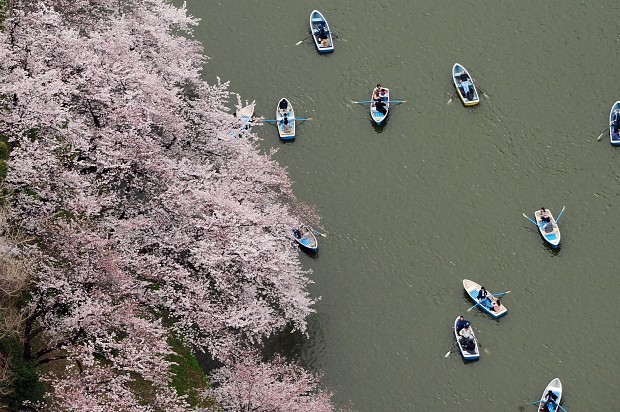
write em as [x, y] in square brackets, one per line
[322, 33]
[461, 323]
[550, 399]
[376, 93]
[544, 215]
[286, 127]
[615, 121]
[496, 305]
[380, 107]
[283, 106]
[482, 294]
[297, 232]
[467, 337]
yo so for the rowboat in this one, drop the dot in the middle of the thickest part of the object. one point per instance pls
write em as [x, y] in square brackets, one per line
[285, 119]
[471, 353]
[491, 305]
[550, 231]
[322, 36]
[614, 136]
[554, 386]
[377, 116]
[306, 238]
[245, 115]
[464, 85]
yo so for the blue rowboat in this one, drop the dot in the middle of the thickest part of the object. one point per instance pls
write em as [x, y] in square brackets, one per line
[285, 119]
[321, 34]
[467, 354]
[377, 116]
[491, 305]
[464, 85]
[614, 136]
[554, 386]
[550, 231]
[305, 238]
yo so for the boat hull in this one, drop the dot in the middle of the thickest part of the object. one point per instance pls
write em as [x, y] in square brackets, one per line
[614, 138]
[308, 240]
[472, 288]
[457, 71]
[316, 19]
[376, 116]
[556, 387]
[550, 231]
[283, 132]
[465, 354]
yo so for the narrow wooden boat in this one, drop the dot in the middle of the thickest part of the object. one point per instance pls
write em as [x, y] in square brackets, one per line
[468, 354]
[491, 305]
[285, 119]
[306, 238]
[614, 135]
[548, 230]
[377, 116]
[321, 34]
[245, 114]
[464, 85]
[556, 387]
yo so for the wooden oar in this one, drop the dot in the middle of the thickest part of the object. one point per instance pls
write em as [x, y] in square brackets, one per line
[302, 40]
[527, 217]
[316, 232]
[560, 215]
[301, 119]
[501, 293]
[598, 139]
[451, 350]
[452, 97]
[372, 101]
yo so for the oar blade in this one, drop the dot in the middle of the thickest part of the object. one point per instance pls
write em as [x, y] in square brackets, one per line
[299, 42]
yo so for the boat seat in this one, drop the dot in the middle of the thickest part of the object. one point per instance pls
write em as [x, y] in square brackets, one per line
[551, 236]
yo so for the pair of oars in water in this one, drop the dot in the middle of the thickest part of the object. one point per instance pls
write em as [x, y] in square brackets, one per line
[477, 87]
[556, 220]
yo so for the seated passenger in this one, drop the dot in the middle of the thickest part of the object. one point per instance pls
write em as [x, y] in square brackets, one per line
[461, 323]
[544, 215]
[296, 232]
[380, 107]
[482, 293]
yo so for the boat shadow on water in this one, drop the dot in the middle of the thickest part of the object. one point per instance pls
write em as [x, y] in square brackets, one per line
[379, 128]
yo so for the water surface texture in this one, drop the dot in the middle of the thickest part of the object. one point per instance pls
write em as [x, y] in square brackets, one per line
[437, 195]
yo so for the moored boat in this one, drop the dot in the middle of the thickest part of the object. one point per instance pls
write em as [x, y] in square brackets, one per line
[548, 228]
[614, 124]
[322, 36]
[285, 119]
[469, 352]
[464, 85]
[554, 386]
[491, 305]
[306, 238]
[378, 113]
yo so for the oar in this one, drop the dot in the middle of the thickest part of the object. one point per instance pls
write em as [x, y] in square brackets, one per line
[479, 302]
[316, 232]
[560, 215]
[452, 97]
[528, 218]
[302, 40]
[598, 139]
[372, 101]
[300, 119]
[450, 351]
[501, 293]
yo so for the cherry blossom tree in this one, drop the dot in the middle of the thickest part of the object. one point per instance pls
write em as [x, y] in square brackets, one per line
[250, 385]
[141, 205]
